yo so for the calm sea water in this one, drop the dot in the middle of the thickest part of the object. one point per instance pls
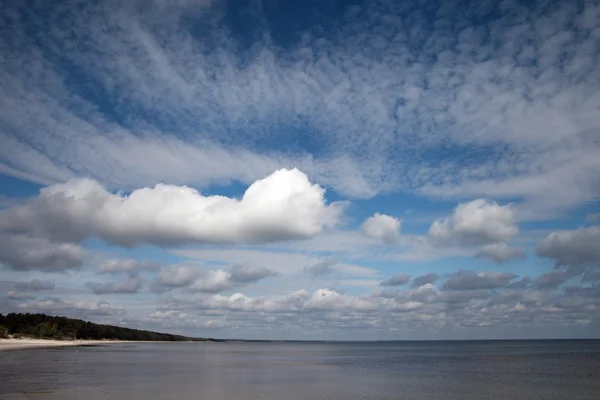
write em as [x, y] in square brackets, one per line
[339, 371]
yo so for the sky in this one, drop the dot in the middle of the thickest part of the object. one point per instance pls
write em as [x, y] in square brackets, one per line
[343, 170]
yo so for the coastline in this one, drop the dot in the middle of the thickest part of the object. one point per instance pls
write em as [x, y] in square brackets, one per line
[25, 344]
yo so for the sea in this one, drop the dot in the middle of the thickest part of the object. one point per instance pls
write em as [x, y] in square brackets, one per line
[444, 370]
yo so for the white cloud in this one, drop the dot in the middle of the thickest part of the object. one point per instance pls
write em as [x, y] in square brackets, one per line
[383, 227]
[466, 300]
[478, 222]
[241, 302]
[215, 281]
[499, 252]
[519, 96]
[326, 299]
[425, 279]
[575, 172]
[470, 280]
[282, 206]
[299, 301]
[210, 281]
[177, 276]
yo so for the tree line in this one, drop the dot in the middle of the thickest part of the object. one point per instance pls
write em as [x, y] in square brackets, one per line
[63, 328]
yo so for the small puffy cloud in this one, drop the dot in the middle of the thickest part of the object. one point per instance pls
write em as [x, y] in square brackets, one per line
[285, 205]
[170, 314]
[177, 276]
[326, 299]
[128, 266]
[499, 253]
[22, 253]
[212, 281]
[483, 302]
[321, 300]
[35, 285]
[426, 293]
[320, 268]
[470, 280]
[249, 274]
[426, 279]
[577, 248]
[215, 281]
[383, 227]
[241, 302]
[476, 223]
[396, 280]
[133, 284]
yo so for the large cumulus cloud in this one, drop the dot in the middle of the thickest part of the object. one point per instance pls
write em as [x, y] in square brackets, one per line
[284, 205]
[383, 227]
[479, 222]
[499, 253]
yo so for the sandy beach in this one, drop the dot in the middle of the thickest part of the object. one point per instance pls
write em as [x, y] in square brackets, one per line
[22, 344]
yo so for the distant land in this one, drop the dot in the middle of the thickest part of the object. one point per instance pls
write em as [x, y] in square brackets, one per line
[58, 328]
[42, 326]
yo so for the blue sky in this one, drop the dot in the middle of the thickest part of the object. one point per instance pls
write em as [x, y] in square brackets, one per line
[303, 170]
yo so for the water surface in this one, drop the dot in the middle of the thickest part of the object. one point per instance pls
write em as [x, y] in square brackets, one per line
[526, 370]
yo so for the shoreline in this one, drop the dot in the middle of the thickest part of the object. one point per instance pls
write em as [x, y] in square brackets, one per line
[26, 344]
[33, 343]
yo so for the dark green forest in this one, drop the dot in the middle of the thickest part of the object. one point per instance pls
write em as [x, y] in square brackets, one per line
[63, 328]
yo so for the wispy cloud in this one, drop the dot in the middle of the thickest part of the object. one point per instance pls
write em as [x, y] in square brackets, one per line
[515, 97]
